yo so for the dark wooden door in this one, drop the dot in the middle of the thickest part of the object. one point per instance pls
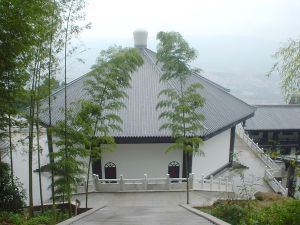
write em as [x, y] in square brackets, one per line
[173, 169]
[110, 171]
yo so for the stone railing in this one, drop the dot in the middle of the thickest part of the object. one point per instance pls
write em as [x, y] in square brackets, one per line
[81, 185]
[274, 183]
[256, 149]
[272, 170]
[158, 184]
[220, 184]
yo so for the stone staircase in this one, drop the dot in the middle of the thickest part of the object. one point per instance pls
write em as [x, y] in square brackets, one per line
[257, 171]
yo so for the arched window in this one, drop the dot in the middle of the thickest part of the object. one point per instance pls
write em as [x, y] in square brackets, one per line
[173, 169]
[110, 170]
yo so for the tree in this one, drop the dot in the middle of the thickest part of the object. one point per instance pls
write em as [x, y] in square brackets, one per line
[71, 14]
[20, 35]
[67, 168]
[288, 66]
[24, 28]
[106, 88]
[181, 103]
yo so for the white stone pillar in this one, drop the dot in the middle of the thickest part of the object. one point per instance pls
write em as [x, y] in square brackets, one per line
[202, 182]
[226, 188]
[168, 182]
[191, 181]
[211, 182]
[145, 182]
[121, 183]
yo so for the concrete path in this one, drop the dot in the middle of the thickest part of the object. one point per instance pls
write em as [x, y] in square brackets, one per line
[145, 208]
[142, 215]
[253, 175]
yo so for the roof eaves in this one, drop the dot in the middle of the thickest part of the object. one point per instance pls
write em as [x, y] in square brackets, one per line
[220, 130]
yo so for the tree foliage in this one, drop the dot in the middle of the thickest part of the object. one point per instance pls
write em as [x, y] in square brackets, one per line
[106, 85]
[89, 129]
[288, 66]
[23, 29]
[11, 193]
[67, 168]
[32, 36]
[181, 103]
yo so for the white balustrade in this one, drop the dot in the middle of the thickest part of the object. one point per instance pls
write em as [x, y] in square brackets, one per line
[271, 167]
[158, 184]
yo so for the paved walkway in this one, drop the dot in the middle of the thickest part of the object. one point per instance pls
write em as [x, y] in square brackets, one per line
[145, 208]
[142, 215]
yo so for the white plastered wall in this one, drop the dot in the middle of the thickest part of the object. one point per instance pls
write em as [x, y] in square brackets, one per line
[20, 163]
[216, 155]
[135, 160]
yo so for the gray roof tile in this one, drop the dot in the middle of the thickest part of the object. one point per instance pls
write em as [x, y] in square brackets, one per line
[275, 117]
[140, 118]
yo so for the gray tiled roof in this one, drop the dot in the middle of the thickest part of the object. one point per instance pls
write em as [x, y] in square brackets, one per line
[140, 118]
[275, 117]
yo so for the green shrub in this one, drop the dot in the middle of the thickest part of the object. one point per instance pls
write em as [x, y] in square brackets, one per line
[39, 220]
[283, 213]
[10, 217]
[16, 218]
[229, 211]
[11, 193]
[267, 196]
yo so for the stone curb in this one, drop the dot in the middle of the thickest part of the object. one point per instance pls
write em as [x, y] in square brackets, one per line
[80, 216]
[210, 218]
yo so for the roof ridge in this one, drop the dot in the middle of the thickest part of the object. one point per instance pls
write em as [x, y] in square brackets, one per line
[225, 92]
[221, 88]
[212, 82]
[59, 89]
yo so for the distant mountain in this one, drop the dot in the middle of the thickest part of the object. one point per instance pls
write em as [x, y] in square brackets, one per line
[241, 64]
[251, 88]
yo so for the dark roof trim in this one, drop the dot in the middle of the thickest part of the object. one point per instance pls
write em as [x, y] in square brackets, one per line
[227, 127]
[271, 130]
[146, 140]
[227, 165]
[279, 106]
[143, 140]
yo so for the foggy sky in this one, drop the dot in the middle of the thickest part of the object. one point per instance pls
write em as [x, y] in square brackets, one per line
[235, 39]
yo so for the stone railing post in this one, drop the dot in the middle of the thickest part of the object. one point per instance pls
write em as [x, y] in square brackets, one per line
[191, 181]
[121, 183]
[95, 179]
[211, 182]
[168, 182]
[226, 185]
[202, 182]
[145, 182]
